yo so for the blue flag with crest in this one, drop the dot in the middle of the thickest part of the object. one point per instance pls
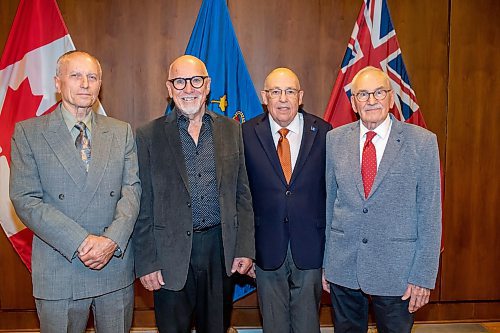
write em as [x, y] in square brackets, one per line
[214, 42]
[231, 90]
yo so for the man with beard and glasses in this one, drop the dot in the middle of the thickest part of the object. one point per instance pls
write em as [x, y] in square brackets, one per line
[383, 213]
[195, 226]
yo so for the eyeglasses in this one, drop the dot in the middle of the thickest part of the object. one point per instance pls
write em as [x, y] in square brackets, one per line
[378, 94]
[276, 93]
[180, 83]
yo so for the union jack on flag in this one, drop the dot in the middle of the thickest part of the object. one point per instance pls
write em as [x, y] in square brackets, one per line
[373, 42]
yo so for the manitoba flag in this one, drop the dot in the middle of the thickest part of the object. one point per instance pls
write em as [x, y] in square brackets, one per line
[27, 67]
[373, 42]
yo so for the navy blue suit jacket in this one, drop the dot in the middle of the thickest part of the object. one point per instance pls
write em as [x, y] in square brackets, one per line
[287, 214]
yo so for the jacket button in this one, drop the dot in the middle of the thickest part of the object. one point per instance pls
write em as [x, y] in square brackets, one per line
[112, 193]
[188, 233]
[365, 210]
[189, 204]
[288, 193]
[285, 220]
[365, 240]
[61, 196]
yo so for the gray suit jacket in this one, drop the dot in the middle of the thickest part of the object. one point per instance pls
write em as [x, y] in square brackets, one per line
[392, 238]
[163, 232]
[62, 204]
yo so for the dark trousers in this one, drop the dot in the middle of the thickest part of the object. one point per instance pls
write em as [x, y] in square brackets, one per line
[350, 311]
[289, 298]
[207, 295]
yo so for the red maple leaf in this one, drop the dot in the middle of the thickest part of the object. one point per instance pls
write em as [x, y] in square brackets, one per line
[18, 105]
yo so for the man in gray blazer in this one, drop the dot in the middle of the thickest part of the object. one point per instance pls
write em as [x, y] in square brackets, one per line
[74, 182]
[195, 226]
[383, 213]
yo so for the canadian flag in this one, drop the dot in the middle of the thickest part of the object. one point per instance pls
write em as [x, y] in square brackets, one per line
[38, 37]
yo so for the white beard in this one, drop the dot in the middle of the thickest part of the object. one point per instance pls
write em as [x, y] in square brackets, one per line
[190, 108]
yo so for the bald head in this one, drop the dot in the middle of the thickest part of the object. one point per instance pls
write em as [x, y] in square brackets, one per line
[192, 85]
[280, 74]
[372, 96]
[282, 95]
[186, 62]
[371, 72]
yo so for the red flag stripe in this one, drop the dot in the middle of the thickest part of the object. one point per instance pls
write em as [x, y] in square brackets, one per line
[40, 23]
[21, 241]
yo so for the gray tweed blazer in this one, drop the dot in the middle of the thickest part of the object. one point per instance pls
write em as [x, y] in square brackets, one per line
[56, 198]
[392, 238]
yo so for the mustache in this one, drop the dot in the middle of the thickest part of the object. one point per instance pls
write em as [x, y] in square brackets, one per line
[372, 107]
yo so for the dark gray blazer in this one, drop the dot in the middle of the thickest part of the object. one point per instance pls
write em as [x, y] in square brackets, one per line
[163, 232]
[56, 198]
[392, 238]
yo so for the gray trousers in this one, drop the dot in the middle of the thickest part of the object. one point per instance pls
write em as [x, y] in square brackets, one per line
[289, 298]
[112, 313]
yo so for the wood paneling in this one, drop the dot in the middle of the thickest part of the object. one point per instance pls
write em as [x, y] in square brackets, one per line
[135, 41]
[422, 31]
[450, 48]
[472, 234]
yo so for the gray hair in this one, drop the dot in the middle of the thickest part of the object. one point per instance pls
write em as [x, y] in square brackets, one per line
[62, 59]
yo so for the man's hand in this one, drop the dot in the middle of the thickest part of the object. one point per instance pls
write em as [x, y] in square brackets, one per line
[326, 284]
[96, 251]
[152, 281]
[241, 265]
[251, 272]
[419, 296]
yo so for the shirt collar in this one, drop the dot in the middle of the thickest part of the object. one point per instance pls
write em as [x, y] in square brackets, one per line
[70, 119]
[294, 126]
[183, 121]
[381, 130]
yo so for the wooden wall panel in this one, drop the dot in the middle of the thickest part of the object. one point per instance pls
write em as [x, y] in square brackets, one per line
[135, 41]
[472, 238]
[453, 74]
[422, 29]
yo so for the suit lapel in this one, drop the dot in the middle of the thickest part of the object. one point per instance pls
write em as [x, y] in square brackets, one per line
[263, 132]
[309, 132]
[394, 144]
[101, 141]
[219, 146]
[60, 141]
[173, 139]
[352, 145]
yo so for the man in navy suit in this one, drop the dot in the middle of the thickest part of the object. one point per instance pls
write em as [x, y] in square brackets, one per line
[383, 213]
[285, 156]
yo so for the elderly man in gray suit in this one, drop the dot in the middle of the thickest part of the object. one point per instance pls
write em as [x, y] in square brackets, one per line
[75, 184]
[195, 227]
[383, 213]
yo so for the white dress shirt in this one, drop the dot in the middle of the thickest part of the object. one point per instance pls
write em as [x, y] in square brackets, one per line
[294, 136]
[379, 141]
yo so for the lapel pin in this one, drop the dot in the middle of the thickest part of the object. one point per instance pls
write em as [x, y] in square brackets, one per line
[313, 128]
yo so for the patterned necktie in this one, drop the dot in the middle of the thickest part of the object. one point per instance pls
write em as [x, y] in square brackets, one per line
[284, 154]
[82, 144]
[369, 163]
